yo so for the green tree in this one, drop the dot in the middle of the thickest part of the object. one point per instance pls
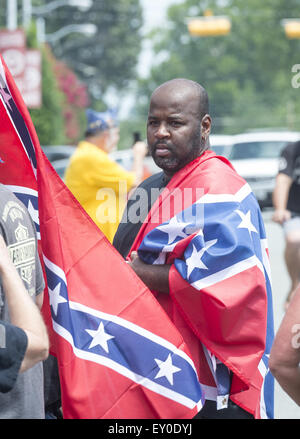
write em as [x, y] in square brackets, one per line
[48, 120]
[246, 73]
[104, 62]
[109, 58]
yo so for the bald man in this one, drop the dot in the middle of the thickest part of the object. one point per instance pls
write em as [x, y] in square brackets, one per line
[170, 150]
[193, 235]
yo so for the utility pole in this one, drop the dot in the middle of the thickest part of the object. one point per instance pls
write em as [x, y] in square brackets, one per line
[11, 14]
[26, 13]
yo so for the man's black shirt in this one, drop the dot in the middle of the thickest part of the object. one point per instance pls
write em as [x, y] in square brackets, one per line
[128, 230]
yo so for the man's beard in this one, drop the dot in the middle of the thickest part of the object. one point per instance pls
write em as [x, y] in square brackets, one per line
[172, 164]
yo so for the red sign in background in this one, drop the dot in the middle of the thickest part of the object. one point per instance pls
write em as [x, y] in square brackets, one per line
[24, 65]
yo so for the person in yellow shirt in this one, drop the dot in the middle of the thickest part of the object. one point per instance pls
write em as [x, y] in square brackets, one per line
[98, 182]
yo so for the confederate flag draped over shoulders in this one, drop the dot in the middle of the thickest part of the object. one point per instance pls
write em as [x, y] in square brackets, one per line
[208, 225]
[119, 354]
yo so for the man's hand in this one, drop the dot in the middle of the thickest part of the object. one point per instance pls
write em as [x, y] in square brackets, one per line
[139, 152]
[140, 149]
[281, 215]
[156, 277]
[137, 264]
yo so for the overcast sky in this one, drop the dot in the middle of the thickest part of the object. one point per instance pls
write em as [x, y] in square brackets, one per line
[154, 16]
[154, 12]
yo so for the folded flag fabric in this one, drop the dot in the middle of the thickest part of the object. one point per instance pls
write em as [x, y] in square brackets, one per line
[119, 354]
[208, 225]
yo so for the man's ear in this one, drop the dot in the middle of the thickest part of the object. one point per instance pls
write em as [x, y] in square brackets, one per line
[206, 125]
[205, 129]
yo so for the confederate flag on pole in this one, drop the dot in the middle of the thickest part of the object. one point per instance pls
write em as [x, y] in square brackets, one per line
[119, 354]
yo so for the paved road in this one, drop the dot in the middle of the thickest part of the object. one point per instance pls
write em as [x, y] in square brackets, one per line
[285, 408]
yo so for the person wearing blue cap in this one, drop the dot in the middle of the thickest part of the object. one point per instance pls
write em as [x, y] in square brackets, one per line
[98, 182]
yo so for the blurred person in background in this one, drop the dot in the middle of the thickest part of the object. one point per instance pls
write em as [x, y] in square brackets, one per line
[285, 353]
[97, 181]
[24, 341]
[26, 399]
[286, 201]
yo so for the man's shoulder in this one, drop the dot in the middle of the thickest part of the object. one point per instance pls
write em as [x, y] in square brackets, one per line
[292, 148]
[8, 195]
[15, 219]
[217, 175]
[6, 191]
[88, 154]
[297, 147]
[155, 180]
[85, 147]
[217, 164]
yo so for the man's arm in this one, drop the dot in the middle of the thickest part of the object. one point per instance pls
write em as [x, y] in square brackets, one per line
[39, 300]
[280, 198]
[285, 353]
[23, 311]
[156, 277]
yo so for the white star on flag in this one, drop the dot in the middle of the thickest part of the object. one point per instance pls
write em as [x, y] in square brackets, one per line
[194, 261]
[100, 337]
[246, 222]
[174, 229]
[166, 369]
[55, 298]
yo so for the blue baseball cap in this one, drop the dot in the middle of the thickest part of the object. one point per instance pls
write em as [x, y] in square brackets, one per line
[97, 121]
